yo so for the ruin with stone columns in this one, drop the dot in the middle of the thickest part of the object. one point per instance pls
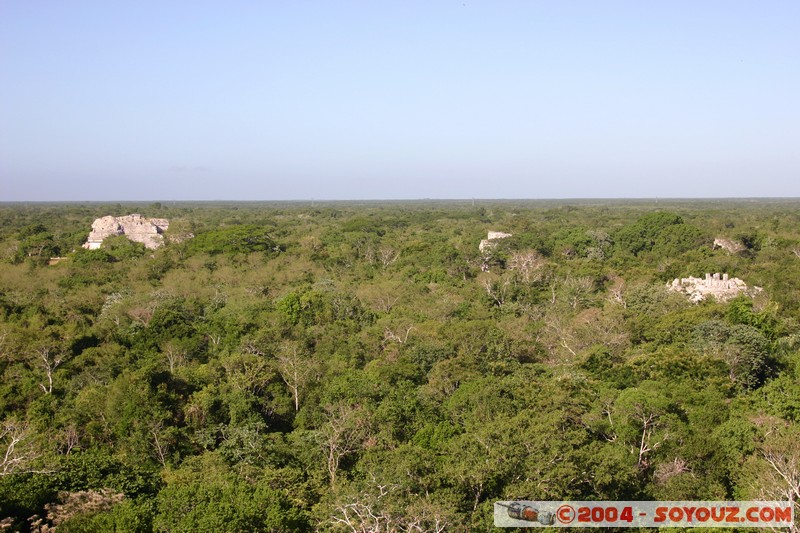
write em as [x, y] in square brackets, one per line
[721, 286]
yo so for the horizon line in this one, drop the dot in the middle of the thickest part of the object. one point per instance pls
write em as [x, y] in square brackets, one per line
[424, 199]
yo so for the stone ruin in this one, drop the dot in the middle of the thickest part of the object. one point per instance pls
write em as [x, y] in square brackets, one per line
[148, 231]
[731, 246]
[488, 244]
[720, 286]
[491, 237]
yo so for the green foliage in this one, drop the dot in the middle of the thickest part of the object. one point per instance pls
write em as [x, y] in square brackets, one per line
[363, 225]
[678, 238]
[740, 311]
[292, 362]
[85, 258]
[641, 235]
[572, 241]
[235, 240]
[205, 496]
[127, 516]
[120, 248]
[607, 367]
[36, 244]
[96, 469]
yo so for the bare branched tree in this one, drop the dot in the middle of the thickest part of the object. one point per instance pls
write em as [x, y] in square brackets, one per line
[383, 508]
[616, 294]
[560, 334]
[4, 348]
[110, 308]
[648, 421]
[48, 361]
[781, 481]
[497, 289]
[295, 368]
[72, 504]
[142, 314]
[400, 338]
[529, 264]
[174, 353]
[385, 303]
[578, 290]
[665, 471]
[160, 443]
[387, 256]
[344, 432]
[18, 452]
[69, 439]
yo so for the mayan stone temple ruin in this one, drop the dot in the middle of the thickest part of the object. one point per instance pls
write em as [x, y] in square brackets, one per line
[148, 231]
[488, 244]
[720, 286]
[491, 239]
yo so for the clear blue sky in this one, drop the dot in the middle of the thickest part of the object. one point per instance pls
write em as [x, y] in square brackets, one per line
[252, 100]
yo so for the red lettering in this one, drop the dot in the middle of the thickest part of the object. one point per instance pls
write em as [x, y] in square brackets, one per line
[583, 514]
[703, 513]
[752, 514]
[627, 514]
[783, 514]
[689, 513]
[661, 514]
[718, 514]
[611, 514]
[676, 514]
[732, 514]
[766, 514]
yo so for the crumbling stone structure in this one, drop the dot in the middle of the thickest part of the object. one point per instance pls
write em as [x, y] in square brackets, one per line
[148, 231]
[490, 239]
[729, 245]
[720, 286]
[487, 245]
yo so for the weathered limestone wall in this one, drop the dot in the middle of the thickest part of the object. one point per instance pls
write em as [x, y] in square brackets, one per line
[490, 238]
[732, 247]
[487, 244]
[137, 228]
[720, 286]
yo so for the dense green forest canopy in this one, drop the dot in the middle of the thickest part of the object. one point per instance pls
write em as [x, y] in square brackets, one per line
[335, 365]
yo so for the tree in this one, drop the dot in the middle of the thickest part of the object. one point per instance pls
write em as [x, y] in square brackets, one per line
[295, 368]
[676, 239]
[387, 255]
[174, 353]
[75, 509]
[641, 421]
[382, 506]
[48, 362]
[235, 240]
[743, 348]
[528, 264]
[642, 235]
[35, 243]
[342, 434]
[19, 451]
[204, 495]
[773, 473]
